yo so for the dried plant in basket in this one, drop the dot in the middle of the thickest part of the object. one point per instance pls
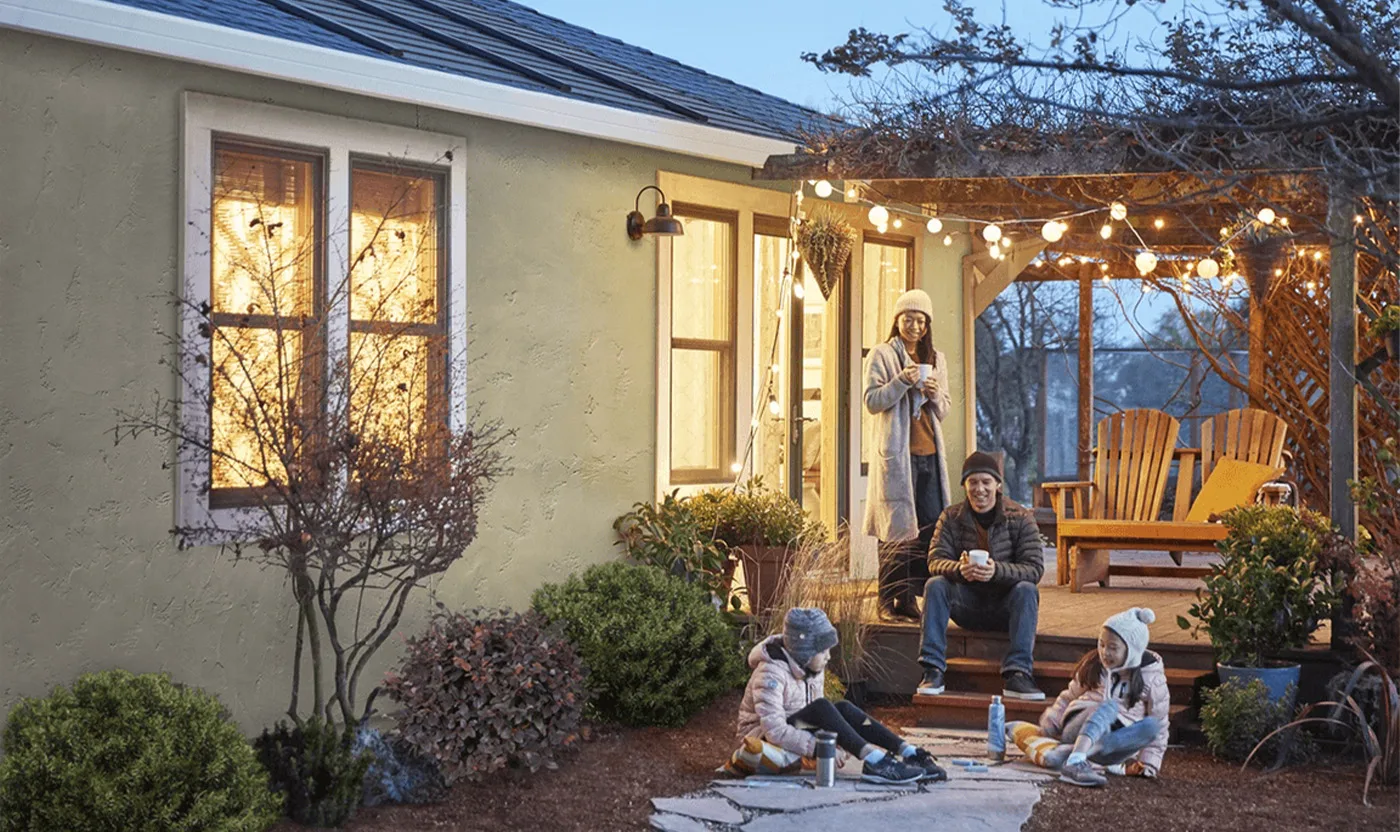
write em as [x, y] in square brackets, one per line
[825, 241]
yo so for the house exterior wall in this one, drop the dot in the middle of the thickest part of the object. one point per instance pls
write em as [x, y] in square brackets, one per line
[562, 348]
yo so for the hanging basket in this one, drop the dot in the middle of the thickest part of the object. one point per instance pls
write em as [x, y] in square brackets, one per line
[1261, 257]
[825, 242]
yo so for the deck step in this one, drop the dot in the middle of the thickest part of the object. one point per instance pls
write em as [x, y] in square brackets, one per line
[984, 676]
[969, 710]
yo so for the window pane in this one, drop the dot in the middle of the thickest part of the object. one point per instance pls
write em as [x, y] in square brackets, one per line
[702, 276]
[394, 246]
[264, 233]
[886, 278]
[389, 386]
[695, 409]
[257, 378]
[770, 449]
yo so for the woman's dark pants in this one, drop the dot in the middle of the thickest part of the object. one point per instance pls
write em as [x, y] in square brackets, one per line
[904, 566]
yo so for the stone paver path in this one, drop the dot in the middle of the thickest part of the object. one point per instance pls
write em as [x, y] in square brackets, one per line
[997, 800]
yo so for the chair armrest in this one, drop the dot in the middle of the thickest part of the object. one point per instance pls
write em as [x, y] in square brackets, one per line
[1057, 492]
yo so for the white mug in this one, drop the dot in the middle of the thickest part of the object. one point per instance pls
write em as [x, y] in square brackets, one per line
[925, 370]
[979, 556]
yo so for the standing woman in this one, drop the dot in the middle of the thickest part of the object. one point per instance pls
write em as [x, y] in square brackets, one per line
[908, 485]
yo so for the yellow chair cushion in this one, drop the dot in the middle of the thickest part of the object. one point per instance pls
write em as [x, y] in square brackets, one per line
[1233, 483]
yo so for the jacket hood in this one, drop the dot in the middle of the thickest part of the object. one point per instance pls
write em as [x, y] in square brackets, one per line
[771, 650]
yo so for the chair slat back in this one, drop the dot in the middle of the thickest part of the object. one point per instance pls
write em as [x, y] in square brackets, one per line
[1246, 434]
[1131, 464]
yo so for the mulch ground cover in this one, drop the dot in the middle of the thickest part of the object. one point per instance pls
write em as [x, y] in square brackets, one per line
[609, 782]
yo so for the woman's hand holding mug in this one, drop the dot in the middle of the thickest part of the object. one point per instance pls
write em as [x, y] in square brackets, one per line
[930, 387]
[910, 375]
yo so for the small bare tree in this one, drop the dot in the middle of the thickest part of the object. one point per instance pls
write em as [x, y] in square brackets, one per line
[318, 410]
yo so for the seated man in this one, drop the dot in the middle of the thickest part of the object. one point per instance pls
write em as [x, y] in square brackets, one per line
[1000, 595]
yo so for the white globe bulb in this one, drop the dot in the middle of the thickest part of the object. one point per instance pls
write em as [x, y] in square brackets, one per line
[1267, 216]
[1208, 268]
[935, 225]
[1146, 261]
[1118, 211]
[1052, 231]
[823, 189]
[947, 239]
[991, 233]
[878, 215]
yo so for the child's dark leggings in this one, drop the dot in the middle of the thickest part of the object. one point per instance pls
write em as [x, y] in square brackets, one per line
[852, 726]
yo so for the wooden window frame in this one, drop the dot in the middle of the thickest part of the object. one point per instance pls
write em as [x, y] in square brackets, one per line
[343, 143]
[909, 280]
[727, 350]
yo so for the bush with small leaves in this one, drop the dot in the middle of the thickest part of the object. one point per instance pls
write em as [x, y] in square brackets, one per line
[316, 768]
[1236, 717]
[483, 692]
[121, 751]
[657, 650]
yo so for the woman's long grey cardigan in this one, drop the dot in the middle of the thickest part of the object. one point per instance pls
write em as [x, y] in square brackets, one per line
[889, 499]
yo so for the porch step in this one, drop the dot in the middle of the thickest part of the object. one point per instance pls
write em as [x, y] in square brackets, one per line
[969, 710]
[984, 676]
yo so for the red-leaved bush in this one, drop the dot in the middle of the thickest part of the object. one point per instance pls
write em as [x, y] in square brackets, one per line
[486, 691]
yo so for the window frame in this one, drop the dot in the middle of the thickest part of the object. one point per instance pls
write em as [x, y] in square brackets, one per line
[728, 356]
[342, 143]
[872, 238]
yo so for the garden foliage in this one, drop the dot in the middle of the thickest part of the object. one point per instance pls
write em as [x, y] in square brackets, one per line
[1236, 717]
[657, 650]
[483, 692]
[315, 766]
[121, 751]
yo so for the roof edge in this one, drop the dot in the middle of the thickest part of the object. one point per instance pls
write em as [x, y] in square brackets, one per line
[192, 41]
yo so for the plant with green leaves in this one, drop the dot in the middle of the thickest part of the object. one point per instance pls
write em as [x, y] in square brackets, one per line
[121, 751]
[656, 649]
[1386, 322]
[1269, 593]
[754, 515]
[673, 536]
[1241, 721]
[315, 766]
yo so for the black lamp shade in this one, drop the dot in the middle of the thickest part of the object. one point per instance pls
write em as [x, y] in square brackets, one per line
[663, 224]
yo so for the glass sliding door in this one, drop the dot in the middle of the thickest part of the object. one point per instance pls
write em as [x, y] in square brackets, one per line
[774, 306]
[887, 272]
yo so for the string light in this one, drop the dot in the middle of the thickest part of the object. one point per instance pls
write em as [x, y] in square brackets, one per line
[823, 189]
[736, 467]
[879, 215]
[775, 369]
[882, 228]
[1106, 231]
[1146, 261]
[1103, 267]
[1053, 230]
[1267, 216]
[774, 407]
[1231, 278]
[852, 193]
[1118, 211]
[1208, 268]
[935, 225]
[1312, 285]
[1159, 223]
[1005, 242]
[898, 223]
[1278, 272]
[1066, 261]
[797, 290]
[947, 239]
[991, 233]
[1283, 221]
[1317, 255]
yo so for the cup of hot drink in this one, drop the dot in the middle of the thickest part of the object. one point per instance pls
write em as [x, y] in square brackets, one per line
[925, 372]
[979, 557]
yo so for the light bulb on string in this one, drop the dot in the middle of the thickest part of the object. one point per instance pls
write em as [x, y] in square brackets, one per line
[1312, 285]
[1145, 261]
[1267, 216]
[947, 239]
[1159, 223]
[898, 223]
[1103, 267]
[882, 228]
[774, 407]
[1317, 255]
[878, 215]
[775, 369]
[736, 467]
[1208, 268]
[1118, 211]
[822, 189]
[1005, 242]
[800, 196]
[797, 290]
[935, 225]
[852, 193]
[991, 233]
[1052, 231]
[1106, 231]
[1283, 221]
[1231, 278]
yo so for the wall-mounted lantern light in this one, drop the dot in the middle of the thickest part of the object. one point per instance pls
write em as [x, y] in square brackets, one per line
[663, 223]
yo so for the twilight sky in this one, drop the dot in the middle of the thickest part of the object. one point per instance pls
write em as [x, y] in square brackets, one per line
[758, 42]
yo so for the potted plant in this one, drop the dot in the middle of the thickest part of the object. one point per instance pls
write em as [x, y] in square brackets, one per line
[1386, 327]
[675, 536]
[763, 527]
[1267, 596]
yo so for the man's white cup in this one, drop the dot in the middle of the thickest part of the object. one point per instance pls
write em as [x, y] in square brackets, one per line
[979, 557]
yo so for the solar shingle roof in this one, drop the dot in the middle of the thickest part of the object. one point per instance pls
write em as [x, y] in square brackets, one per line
[506, 43]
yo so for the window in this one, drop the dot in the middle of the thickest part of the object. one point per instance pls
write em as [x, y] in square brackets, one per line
[888, 273]
[327, 255]
[703, 335]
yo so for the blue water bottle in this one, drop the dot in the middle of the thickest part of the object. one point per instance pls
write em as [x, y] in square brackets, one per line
[996, 730]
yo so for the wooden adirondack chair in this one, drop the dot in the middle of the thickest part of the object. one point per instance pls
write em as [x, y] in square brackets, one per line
[1132, 461]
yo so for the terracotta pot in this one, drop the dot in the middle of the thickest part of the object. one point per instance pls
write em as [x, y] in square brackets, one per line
[764, 567]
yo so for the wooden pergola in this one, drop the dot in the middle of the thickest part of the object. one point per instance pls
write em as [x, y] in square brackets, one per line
[1021, 186]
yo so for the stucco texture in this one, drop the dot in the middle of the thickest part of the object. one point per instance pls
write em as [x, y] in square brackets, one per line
[562, 316]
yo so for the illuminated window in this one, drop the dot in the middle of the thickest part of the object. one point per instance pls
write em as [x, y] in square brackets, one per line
[703, 335]
[887, 275]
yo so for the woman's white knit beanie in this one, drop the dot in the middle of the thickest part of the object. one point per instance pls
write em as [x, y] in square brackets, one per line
[914, 300]
[1131, 626]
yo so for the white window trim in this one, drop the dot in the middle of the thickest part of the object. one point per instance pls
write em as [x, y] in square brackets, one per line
[206, 116]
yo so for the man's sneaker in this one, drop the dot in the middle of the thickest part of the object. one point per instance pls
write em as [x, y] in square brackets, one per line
[1082, 774]
[891, 771]
[932, 683]
[1019, 685]
[933, 772]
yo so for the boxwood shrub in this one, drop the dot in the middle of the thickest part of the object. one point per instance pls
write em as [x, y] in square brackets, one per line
[656, 649]
[121, 751]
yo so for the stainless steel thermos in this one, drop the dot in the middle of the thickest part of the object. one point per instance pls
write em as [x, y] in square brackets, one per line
[826, 758]
[996, 729]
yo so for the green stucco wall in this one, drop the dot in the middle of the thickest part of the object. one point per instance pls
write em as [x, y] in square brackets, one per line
[562, 316]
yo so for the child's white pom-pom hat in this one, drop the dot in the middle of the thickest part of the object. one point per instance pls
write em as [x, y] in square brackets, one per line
[1131, 626]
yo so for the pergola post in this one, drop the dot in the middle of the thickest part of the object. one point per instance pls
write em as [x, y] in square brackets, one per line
[1341, 207]
[1086, 369]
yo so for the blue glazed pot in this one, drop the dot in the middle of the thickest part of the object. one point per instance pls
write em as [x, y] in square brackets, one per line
[1276, 679]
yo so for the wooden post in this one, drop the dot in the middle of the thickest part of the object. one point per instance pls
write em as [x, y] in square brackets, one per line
[1341, 207]
[1086, 369]
[1257, 349]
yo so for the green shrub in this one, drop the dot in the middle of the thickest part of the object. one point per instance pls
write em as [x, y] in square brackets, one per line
[670, 535]
[754, 516]
[832, 687]
[121, 751]
[656, 648]
[486, 692]
[316, 768]
[1236, 717]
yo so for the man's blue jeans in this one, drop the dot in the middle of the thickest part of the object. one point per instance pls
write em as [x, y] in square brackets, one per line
[1013, 610]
